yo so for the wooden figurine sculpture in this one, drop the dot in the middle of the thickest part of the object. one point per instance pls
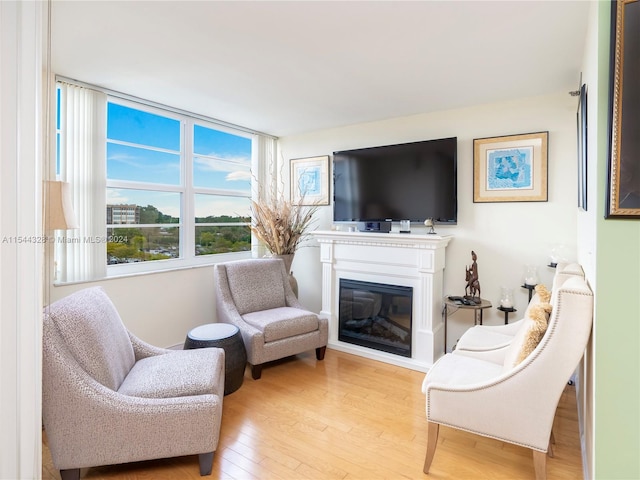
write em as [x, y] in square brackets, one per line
[472, 289]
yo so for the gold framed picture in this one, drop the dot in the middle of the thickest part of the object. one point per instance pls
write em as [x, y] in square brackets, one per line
[623, 187]
[510, 168]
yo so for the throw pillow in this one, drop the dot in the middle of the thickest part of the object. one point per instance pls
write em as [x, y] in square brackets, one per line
[539, 316]
[543, 292]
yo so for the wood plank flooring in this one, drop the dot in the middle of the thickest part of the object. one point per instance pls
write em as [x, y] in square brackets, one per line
[346, 418]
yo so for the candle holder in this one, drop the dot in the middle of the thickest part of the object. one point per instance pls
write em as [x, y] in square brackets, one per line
[557, 255]
[506, 298]
[530, 278]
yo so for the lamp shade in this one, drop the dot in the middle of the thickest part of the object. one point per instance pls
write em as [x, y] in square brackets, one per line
[59, 214]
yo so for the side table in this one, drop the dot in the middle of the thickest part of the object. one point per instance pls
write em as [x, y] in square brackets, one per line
[229, 338]
[531, 288]
[506, 311]
[477, 313]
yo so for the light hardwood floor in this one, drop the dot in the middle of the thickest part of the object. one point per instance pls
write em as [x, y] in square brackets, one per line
[347, 418]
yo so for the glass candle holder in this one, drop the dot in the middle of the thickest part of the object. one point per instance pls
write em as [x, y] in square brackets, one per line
[558, 254]
[506, 297]
[530, 276]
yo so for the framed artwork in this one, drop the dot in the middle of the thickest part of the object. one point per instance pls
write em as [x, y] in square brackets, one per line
[582, 148]
[310, 181]
[623, 186]
[510, 168]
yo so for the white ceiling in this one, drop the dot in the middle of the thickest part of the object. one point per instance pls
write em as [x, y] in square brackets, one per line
[296, 66]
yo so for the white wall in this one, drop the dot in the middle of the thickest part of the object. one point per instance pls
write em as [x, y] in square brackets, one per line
[161, 307]
[613, 437]
[586, 223]
[505, 236]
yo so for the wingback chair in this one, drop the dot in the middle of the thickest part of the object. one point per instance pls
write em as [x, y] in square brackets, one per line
[468, 393]
[255, 295]
[489, 342]
[110, 398]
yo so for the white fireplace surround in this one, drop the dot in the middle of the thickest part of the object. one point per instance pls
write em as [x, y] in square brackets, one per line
[411, 260]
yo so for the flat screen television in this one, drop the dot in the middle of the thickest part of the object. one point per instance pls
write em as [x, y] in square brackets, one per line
[409, 181]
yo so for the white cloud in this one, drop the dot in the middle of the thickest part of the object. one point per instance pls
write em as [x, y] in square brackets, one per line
[222, 164]
[239, 176]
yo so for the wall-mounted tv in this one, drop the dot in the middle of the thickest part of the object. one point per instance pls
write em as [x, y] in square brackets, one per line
[409, 181]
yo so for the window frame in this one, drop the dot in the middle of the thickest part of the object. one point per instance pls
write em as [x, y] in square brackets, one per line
[187, 191]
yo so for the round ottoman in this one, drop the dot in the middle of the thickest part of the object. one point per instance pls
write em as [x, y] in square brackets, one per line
[227, 337]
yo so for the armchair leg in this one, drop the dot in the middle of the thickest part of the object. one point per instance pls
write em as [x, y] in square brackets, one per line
[320, 351]
[432, 441]
[70, 474]
[256, 371]
[206, 463]
[540, 464]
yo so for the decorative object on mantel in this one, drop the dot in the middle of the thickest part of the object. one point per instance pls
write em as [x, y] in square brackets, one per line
[281, 225]
[429, 224]
[472, 289]
[510, 168]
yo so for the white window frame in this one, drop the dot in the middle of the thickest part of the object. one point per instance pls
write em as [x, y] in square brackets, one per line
[186, 189]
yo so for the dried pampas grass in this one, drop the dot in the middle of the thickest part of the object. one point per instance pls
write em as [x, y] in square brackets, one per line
[280, 224]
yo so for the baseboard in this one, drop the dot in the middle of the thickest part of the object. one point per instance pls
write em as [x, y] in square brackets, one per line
[578, 380]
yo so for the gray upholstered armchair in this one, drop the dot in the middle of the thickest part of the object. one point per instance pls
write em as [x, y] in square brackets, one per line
[110, 398]
[255, 295]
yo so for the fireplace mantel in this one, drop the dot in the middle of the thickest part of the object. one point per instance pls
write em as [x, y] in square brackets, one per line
[411, 260]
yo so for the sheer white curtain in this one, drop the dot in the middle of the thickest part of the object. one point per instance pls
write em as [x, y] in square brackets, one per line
[265, 166]
[81, 255]
[265, 182]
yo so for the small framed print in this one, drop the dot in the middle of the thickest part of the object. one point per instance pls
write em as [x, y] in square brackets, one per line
[310, 181]
[510, 168]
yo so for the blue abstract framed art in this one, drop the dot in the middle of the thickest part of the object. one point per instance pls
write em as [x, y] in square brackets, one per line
[310, 181]
[510, 168]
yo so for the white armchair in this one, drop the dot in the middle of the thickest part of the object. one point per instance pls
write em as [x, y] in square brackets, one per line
[489, 342]
[468, 393]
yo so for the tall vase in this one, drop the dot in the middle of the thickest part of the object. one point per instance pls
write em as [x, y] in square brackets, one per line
[288, 260]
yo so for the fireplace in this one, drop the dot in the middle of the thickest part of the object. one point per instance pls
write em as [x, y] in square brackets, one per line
[412, 260]
[376, 315]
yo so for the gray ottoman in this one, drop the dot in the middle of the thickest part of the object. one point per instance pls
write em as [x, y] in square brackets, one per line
[227, 337]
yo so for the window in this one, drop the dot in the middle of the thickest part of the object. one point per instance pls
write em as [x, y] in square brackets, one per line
[177, 192]
[222, 191]
[177, 188]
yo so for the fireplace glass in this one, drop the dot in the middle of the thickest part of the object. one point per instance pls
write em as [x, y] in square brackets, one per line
[376, 315]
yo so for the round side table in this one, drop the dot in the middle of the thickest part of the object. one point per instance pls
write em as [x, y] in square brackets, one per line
[227, 337]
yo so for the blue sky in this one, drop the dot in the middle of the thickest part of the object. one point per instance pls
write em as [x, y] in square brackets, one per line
[221, 161]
